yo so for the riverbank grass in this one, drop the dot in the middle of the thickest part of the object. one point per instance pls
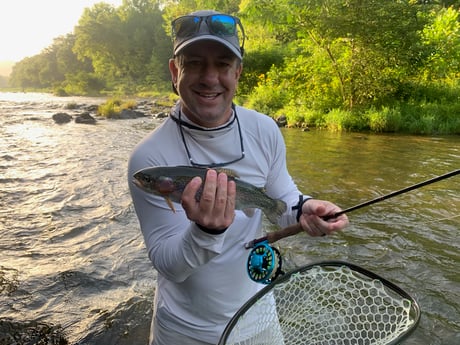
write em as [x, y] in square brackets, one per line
[114, 106]
[424, 118]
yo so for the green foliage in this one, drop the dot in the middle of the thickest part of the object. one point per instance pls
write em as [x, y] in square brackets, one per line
[268, 96]
[344, 120]
[71, 105]
[113, 107]
[431, 118]
[441, 38]
[374, 65]
[125, 44]
[384, 120]
[299, 115]
[256, 64]
[83, 83]
[60, 92]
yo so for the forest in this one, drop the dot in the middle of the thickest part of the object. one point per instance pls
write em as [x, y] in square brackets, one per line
[354, 65]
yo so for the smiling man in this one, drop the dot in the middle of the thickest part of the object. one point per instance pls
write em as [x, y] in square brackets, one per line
[199, 251]
[205, 75]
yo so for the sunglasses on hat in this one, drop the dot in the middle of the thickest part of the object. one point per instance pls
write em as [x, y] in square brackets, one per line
[222, 25]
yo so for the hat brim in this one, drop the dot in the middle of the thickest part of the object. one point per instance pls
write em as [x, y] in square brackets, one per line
[214, 38]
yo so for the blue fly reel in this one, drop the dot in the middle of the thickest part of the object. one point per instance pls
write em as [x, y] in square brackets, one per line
[264, 263]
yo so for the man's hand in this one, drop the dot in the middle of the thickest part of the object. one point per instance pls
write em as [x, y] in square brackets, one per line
[314, 225]
[216, 208]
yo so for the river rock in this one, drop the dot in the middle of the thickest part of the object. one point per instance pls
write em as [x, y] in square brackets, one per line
[85, 118]
[281, 121]
[91, 108]
[30, 332]
[130, 114]
[161, 115]
[62, 118]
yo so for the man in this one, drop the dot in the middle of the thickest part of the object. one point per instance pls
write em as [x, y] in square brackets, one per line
[198, 251]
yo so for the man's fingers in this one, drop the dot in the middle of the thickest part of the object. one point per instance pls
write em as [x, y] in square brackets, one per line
[209, 191]
[221, 193]
[216, 207]
[231, 200]
[188, 200]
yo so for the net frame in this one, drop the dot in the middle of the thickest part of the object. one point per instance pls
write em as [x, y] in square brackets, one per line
[316, 314]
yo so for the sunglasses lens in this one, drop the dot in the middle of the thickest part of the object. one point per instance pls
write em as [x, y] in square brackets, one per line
[222, 25]
[225, 26]
[186, 26]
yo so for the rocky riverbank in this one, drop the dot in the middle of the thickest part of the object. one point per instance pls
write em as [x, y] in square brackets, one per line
[90, 114]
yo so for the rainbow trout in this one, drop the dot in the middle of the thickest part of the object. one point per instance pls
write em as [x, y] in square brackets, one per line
[169, 182]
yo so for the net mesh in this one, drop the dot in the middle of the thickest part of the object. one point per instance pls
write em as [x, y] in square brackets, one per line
[324, 306]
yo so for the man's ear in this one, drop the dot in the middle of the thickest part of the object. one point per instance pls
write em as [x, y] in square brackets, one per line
[239, 70]
[173, 70]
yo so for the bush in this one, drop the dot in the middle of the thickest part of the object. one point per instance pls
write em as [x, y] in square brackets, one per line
[267, 100]
[385, 120]
[300, 116]
[60, 92]
[342, 120]
[71, 105]
[430, 118]
[113, 107]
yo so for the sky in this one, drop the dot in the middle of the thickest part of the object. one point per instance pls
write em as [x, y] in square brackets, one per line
[28, 26]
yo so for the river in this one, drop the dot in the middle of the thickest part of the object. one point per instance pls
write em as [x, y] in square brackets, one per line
[73, 264]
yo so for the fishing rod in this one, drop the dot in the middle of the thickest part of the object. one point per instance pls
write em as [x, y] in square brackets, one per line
[296, 228]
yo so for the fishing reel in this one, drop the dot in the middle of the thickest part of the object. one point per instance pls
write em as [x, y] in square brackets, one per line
[264, 263]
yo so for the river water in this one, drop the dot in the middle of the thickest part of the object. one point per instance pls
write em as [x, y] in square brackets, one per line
[72, 261]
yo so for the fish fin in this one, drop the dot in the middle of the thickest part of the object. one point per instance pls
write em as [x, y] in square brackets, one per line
[273, 215]
[170, 204]
[230, 172]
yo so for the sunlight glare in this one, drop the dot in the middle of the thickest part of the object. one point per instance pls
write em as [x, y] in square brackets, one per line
[29, 26]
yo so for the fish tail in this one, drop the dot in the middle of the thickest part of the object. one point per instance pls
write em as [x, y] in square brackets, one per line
[276, 212]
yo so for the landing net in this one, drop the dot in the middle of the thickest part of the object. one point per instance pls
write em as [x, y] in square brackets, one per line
[329, 303]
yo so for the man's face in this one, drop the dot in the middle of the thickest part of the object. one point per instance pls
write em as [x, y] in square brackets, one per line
[206, 77]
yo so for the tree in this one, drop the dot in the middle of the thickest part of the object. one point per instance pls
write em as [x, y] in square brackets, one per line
[367, 45]
[123, 42]
[441, 39]
[26, 73]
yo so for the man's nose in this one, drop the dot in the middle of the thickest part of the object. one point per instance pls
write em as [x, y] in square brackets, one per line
[209, 74]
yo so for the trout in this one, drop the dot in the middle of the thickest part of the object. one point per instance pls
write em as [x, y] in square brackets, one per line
[169, 182]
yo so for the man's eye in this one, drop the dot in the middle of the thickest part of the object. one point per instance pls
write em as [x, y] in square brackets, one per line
[193, 63]
[224, 64]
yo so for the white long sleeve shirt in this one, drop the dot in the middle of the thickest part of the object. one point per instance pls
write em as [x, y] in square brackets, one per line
[202, 279]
